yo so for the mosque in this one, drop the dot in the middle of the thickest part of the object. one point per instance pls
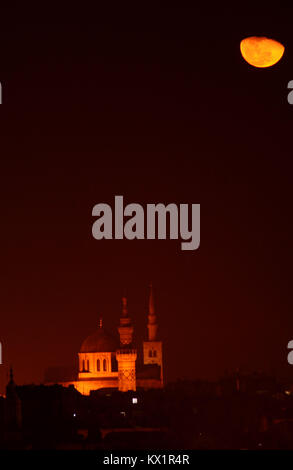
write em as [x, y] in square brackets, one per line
[106, 361]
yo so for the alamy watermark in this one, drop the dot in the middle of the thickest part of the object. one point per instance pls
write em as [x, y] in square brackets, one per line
[290, 94]
[290, 354]
[156, 221]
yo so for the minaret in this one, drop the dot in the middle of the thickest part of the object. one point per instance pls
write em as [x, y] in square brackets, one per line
[152, 348]
[126, 355]
[152, 318]
[12, 406]
[125, 328]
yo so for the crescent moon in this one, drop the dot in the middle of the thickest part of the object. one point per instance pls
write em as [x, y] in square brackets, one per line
[261, 51]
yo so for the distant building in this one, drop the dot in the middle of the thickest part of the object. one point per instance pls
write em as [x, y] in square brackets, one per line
[12, 409]
[12, 415]
[108, 362]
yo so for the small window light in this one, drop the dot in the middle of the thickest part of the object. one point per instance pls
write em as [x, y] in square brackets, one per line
[134, 400]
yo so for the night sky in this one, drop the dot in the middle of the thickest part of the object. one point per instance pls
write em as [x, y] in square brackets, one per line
[157, 106]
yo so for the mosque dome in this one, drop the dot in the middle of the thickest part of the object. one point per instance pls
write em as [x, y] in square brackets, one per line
[100, 341]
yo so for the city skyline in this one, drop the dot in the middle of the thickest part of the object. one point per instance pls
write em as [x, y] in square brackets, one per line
[159, 108]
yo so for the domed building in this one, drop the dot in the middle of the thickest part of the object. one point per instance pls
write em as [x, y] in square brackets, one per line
[97, 361]
[106, 361]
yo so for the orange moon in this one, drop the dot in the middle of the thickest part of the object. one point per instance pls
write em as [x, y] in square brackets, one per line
[261, 52]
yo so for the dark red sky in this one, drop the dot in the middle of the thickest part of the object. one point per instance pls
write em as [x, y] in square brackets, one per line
[158, 106]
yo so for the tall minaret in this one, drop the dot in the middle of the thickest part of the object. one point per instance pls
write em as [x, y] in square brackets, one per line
[126, 355]
[152, 318]
[125, 328]
[12, 406]
[152, 348]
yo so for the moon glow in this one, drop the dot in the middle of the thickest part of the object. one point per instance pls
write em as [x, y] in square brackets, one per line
[261, 51]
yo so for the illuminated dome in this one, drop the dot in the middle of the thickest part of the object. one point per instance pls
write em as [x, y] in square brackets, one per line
[100, 341]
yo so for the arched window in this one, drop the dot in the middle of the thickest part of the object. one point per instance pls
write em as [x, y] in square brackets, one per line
[98, 365]
[87, 365]
[104, 365]
[83, 365]
[150, 353]
[155, 353]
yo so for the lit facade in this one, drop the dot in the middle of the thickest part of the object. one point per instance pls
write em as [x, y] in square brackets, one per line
[107, 362]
